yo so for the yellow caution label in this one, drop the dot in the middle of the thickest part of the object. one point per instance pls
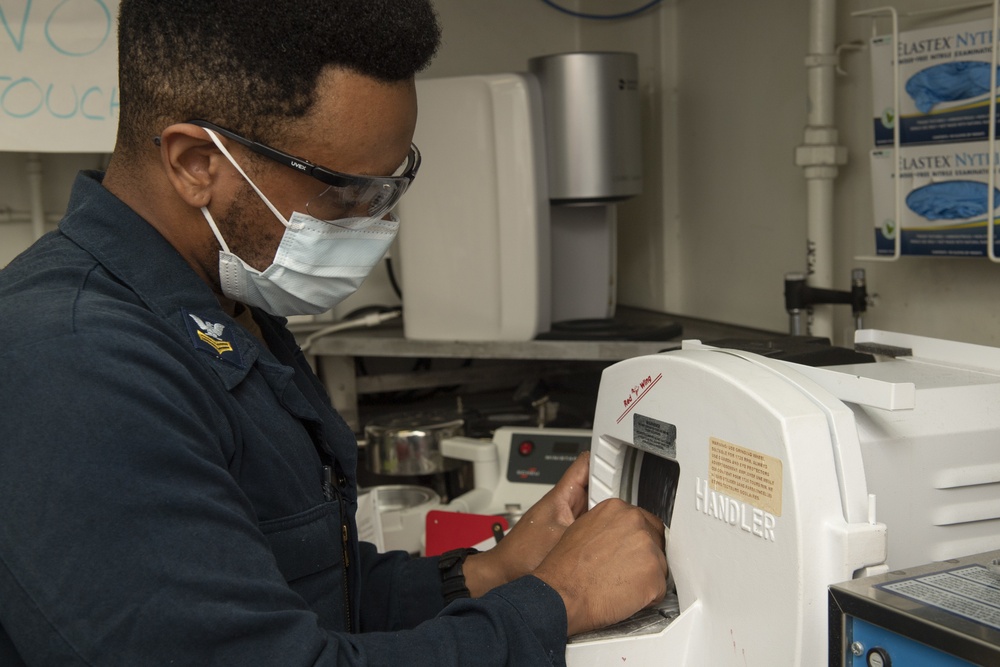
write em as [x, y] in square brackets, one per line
[745, 474]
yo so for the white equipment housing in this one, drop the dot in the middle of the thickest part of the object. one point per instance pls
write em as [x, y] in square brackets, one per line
[474, 241]
[511, 472]
[767, 473]
[509, 477]
[511, 224]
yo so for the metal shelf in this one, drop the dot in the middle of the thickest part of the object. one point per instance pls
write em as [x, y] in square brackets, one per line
[335, 354]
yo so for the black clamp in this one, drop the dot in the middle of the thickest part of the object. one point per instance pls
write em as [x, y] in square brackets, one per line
[452, 578]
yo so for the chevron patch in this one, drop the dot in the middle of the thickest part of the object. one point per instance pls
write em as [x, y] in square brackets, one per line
[213, 337]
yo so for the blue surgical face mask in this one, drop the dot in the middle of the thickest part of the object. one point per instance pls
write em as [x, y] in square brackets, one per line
[317, 265]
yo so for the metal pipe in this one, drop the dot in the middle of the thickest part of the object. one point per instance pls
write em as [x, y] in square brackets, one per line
[822, 35]
[33, 171]
[819, 155]
[795, 323]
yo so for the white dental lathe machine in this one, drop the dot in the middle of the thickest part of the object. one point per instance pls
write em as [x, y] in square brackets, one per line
[779, 480]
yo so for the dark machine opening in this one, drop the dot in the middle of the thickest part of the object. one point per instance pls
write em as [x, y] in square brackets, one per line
[654, 481]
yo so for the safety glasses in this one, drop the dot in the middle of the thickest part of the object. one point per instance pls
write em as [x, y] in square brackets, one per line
[366, 199]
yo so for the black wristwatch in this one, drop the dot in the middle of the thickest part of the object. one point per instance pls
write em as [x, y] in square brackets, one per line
[452, 578]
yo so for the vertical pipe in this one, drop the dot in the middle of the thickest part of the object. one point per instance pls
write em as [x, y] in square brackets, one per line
[820, 164]
[819, 192]
[33, 172]
[822, 30]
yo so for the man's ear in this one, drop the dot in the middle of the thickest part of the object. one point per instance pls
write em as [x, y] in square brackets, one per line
[193, 163]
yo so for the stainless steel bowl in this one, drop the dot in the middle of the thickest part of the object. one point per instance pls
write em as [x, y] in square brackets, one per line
[411, 444]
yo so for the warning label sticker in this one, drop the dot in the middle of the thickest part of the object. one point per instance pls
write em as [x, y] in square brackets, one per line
[971, 592]
[654, 436]
[745, 474]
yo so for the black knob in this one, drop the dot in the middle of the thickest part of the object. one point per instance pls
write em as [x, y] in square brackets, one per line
[878, 657]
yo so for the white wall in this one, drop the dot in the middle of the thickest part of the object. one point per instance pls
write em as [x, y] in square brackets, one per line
[490, 36]
[722, 217]
[741, 109]
[59, 170]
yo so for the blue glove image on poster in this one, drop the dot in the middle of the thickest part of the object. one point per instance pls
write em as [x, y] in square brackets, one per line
[948, 82]
[951, 200]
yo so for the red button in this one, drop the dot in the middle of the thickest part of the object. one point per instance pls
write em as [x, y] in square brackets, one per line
[526, 447]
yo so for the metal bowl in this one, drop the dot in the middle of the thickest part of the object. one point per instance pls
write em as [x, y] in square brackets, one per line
[411, 444]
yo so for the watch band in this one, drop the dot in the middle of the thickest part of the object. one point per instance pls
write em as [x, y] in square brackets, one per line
[452, 578]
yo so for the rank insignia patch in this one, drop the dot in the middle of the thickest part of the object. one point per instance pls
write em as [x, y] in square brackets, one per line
[213, 338]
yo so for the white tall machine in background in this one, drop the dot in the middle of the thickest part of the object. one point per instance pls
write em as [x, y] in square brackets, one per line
[510, 224]
[768, 473]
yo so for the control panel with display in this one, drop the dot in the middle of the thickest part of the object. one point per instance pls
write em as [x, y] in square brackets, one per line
[537, 457]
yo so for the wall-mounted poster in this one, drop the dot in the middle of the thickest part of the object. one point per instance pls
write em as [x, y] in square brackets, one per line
[58, 75]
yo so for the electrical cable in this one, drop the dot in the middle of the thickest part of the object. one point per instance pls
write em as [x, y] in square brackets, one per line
[620, 15]
[370, 320]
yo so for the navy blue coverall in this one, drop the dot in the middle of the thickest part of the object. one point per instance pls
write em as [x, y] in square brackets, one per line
[162, 495]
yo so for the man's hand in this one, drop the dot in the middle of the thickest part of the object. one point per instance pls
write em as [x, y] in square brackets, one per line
[531, 538]
[606, 564]
[609, 564]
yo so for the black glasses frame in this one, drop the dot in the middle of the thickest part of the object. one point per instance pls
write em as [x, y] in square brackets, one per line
[321, 174]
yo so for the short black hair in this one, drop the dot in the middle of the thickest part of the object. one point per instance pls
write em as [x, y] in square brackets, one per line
[248, 65]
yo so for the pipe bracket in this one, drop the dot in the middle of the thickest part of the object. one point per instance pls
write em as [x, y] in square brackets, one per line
[822, 60]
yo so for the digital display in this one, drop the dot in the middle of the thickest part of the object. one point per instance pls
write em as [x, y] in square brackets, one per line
[565, 447]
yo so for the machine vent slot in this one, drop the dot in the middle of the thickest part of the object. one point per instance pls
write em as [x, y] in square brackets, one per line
[606, 463]
[985, 508]
[957, 548]
[953, 478]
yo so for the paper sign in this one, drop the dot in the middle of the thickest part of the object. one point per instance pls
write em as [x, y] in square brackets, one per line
[58, 75]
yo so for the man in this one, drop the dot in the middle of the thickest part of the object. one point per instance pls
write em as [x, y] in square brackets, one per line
[174, 486]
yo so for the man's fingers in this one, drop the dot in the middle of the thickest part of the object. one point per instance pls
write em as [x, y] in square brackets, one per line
[578, 472]
[655, 525]
[572, 486]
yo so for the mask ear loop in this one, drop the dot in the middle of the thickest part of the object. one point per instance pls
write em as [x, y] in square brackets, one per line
[253, 185]
[215, 230]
